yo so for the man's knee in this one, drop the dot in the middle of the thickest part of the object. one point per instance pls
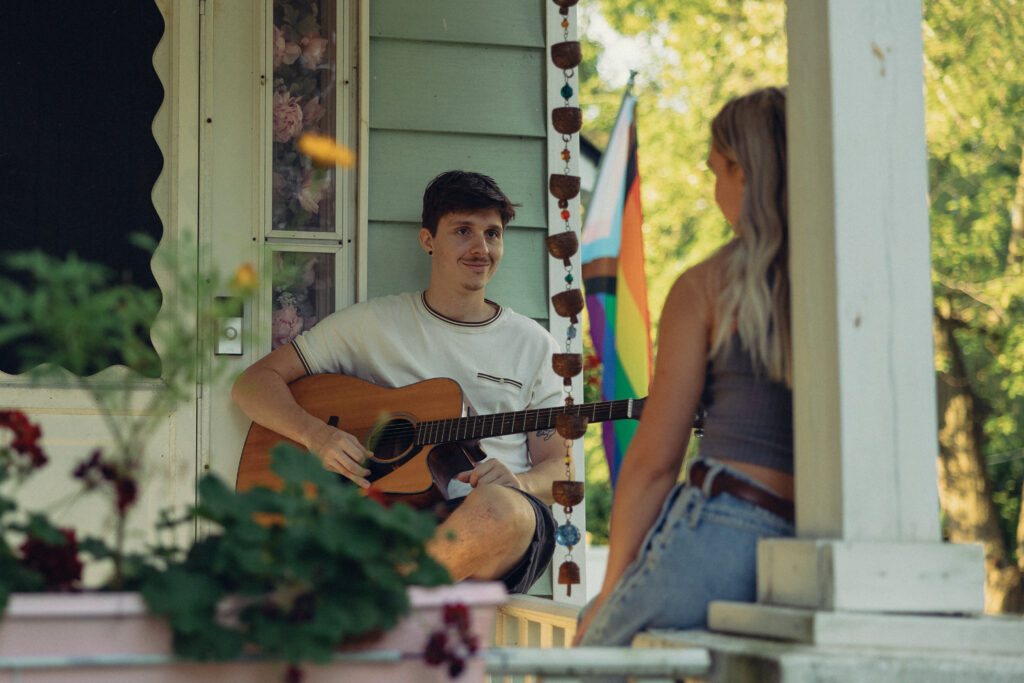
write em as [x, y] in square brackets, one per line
[504, 506]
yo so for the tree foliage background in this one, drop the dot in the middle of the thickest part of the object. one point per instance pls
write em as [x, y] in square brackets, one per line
[693, 55]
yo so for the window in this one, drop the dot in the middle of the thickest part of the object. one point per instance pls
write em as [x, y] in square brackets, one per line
[78, 155]
[307, 208]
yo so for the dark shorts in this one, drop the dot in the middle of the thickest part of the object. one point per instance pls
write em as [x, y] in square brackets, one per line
[538, 556]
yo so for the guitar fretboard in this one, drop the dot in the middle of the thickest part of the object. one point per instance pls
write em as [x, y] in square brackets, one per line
[499, 424]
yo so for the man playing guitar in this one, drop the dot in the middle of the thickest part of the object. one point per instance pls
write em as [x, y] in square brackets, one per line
[500, 526]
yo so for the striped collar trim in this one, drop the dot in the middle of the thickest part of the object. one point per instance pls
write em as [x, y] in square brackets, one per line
[459, 323]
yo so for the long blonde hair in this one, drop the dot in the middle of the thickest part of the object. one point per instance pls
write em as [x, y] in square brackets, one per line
[753, 298]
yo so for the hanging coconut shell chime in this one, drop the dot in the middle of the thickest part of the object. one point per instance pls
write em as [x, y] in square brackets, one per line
[567, 121]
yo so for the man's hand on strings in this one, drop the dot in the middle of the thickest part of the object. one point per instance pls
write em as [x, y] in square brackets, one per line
[342, 453]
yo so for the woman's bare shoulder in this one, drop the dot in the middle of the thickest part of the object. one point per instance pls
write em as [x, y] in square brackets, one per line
[703, 278]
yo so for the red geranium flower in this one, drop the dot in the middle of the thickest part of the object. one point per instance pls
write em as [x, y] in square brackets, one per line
[453, 642]
[455, 666]
[376, 494]
[457, 615]
[96, 471]
[127, 493]
[58, 564]
[436, 648]
[26, 436]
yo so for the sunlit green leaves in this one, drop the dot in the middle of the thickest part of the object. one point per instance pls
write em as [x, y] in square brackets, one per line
[720, 48]
[974, 71]
[324, 568]
[717, 49]
[74, 315]
[974, 89]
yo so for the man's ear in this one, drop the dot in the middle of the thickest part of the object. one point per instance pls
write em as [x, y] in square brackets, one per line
[426, 241]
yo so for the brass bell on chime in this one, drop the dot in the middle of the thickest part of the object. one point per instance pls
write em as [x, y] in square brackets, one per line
[564, 186]
[567, 493]
[563, 245]
[569, 575]
[567, 120]
[566, 55]
[568, 304]
[567, 365]
[571, 426]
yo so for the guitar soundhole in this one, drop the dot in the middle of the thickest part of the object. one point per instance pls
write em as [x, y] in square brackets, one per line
[392, 440]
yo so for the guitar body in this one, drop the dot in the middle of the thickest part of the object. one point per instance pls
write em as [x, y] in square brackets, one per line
[401, 469]
[417, 434]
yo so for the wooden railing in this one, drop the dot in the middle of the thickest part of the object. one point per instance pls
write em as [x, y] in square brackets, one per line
[528, 621]
[525, 621]
[531, 637]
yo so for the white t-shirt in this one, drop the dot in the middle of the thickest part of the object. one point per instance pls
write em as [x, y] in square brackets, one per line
[502, 364]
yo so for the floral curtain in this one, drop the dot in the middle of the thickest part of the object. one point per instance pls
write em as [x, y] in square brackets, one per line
[303, 101]
[303, 293]
[304, 51]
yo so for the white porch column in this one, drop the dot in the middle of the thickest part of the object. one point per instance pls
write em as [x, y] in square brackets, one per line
[868, 535]
[864, 400]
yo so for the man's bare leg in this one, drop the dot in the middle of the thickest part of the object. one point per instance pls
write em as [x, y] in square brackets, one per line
[486, 536]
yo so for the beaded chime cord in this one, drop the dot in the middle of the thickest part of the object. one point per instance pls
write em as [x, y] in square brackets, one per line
[567, 120]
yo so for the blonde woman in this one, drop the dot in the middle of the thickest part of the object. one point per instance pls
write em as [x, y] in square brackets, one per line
[724, 345]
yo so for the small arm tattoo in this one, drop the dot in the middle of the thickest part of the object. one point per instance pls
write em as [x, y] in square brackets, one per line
[546, 434]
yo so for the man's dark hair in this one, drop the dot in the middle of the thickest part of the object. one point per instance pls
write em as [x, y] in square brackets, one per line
[458, 191]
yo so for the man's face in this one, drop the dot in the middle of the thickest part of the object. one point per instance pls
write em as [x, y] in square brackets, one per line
[467, 248]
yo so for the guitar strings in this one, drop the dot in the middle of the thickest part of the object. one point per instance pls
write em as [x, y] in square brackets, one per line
[442, 430]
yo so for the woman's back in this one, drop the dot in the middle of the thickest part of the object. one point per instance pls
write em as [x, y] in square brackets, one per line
[723, 341]
[747, 417]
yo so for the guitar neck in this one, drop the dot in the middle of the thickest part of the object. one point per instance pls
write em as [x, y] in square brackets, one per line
[500, 424]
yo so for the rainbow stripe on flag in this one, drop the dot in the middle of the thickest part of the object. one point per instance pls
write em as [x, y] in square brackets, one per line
[614, 280]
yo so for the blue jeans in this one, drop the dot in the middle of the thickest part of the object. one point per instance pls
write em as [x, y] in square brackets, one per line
[700, 549]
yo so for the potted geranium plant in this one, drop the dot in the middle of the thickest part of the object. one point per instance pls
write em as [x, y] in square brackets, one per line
[283, 576]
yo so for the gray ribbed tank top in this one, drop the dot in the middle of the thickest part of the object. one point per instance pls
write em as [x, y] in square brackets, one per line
[748, 417]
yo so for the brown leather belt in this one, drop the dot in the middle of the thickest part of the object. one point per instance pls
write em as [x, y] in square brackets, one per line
[734, 486]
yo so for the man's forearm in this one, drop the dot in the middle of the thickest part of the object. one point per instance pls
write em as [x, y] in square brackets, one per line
[266, 399]
[538, 479]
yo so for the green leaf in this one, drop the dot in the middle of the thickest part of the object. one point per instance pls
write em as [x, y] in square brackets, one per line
[39, 526]
[217, 502]
[187, 598]
[297, 467]
[428, 572]
[354, 539]
[96, 547]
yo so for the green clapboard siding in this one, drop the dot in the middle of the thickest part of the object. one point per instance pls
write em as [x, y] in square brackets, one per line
[400, 159]
[522, 278]
[458, 84]
[457, 88]
[512, 22]
[397, 263]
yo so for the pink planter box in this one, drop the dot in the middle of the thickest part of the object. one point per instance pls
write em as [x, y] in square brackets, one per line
[63, 637]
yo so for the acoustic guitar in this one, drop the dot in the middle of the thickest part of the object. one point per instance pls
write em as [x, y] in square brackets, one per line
[418, 434]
